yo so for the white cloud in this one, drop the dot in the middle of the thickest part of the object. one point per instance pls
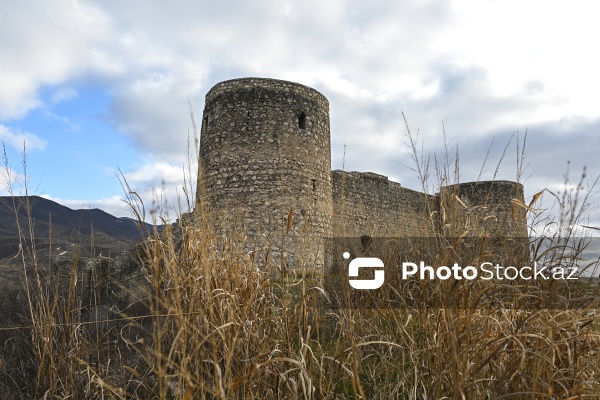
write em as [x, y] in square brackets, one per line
[155, 59]
[157, 174]
[63, 94]
[479, 68]
[119, 206]
[114, 205]
[518, 42]
[20, 139]
[10, 182]
[154, 111]
[164, 189]
[45, 43]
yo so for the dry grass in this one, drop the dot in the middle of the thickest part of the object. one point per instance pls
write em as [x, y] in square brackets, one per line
[217, 326]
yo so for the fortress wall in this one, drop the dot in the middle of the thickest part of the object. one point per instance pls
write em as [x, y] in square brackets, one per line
[365, 203]
[265, 149]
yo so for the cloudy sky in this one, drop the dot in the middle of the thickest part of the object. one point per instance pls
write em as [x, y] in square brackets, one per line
[98, 87]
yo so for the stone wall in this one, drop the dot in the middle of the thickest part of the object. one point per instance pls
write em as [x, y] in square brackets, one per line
[365, 203]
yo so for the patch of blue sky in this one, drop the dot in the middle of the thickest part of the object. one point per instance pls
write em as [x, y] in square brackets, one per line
[83, 149]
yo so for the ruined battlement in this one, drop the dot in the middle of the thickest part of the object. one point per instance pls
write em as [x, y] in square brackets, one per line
[370, 204]
[265, 156]
[238, 86]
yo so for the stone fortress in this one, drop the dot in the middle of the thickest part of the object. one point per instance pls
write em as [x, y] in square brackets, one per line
[265, 156]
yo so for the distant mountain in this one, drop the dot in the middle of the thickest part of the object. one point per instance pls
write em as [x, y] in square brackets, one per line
[60, 230]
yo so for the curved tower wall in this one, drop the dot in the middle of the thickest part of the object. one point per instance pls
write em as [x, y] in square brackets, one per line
[486, 210]
[484, 207]
[265, 149]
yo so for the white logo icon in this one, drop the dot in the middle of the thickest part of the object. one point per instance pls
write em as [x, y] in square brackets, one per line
[365, 262]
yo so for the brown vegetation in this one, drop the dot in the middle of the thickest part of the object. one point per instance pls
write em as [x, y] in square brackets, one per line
[215, 325]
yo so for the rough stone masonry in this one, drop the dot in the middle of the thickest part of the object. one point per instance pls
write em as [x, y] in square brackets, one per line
[265, 157]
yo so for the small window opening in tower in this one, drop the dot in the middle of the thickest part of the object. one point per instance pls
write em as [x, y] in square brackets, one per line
[314, 185]
[302, 120]
[205, 122]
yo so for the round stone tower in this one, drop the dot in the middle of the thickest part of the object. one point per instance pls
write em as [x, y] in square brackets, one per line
[265, 150]
[487, 209]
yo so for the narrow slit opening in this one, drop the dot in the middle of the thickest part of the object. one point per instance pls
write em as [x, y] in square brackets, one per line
[302, 120]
